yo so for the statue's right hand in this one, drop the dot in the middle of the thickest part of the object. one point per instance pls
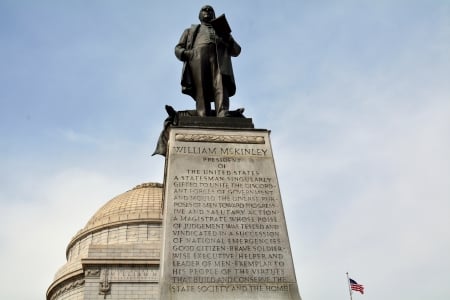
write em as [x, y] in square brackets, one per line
[187, 55]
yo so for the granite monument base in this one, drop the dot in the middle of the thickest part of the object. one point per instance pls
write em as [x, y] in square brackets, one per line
[224, 229]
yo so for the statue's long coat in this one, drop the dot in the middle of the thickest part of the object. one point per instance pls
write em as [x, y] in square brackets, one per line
[224, 52]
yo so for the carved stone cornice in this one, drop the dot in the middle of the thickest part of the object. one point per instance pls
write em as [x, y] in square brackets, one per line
[66, 287]
[92, 273]
[214, 138]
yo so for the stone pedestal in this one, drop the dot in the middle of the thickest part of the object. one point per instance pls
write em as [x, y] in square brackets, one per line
[225, 234]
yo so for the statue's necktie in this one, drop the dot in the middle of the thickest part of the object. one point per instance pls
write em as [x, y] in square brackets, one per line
[212, 34]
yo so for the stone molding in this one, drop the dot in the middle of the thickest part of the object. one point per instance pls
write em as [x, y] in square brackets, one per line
[213, 138]
[148, 185]
[113, 224]
[67, 286]
[92, 273]
[120, 261]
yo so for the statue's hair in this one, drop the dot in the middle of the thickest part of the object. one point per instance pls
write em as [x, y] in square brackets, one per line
[200, 12]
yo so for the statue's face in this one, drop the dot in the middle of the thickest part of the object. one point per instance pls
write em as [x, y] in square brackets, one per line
[206, 14]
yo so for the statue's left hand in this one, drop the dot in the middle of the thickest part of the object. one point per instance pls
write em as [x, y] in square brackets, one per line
[187, 55]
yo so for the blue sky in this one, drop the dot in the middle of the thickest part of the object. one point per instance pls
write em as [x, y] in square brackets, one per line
[356, 94]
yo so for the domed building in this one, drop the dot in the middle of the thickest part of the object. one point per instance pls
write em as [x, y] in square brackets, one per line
[117, 254]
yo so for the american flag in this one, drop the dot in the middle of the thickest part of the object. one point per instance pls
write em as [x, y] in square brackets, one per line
[356, 286]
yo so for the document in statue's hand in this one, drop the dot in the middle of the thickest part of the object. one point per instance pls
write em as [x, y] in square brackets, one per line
[221, 26]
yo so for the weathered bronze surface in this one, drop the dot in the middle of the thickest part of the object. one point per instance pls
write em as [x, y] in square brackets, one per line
[206, 50]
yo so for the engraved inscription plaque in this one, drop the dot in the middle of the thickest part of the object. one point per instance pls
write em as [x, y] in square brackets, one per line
[225, 234]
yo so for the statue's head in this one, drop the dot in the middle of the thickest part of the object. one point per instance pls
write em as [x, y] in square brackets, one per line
[206, 14]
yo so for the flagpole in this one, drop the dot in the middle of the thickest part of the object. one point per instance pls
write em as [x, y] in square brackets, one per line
[349, 287]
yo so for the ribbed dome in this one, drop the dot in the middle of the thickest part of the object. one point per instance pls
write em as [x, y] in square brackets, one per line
[130, 219]
[142, 202]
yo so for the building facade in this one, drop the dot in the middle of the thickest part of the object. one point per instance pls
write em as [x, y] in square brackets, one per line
[117, 254]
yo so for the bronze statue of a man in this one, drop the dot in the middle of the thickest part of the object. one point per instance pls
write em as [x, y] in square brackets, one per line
[207, 74]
